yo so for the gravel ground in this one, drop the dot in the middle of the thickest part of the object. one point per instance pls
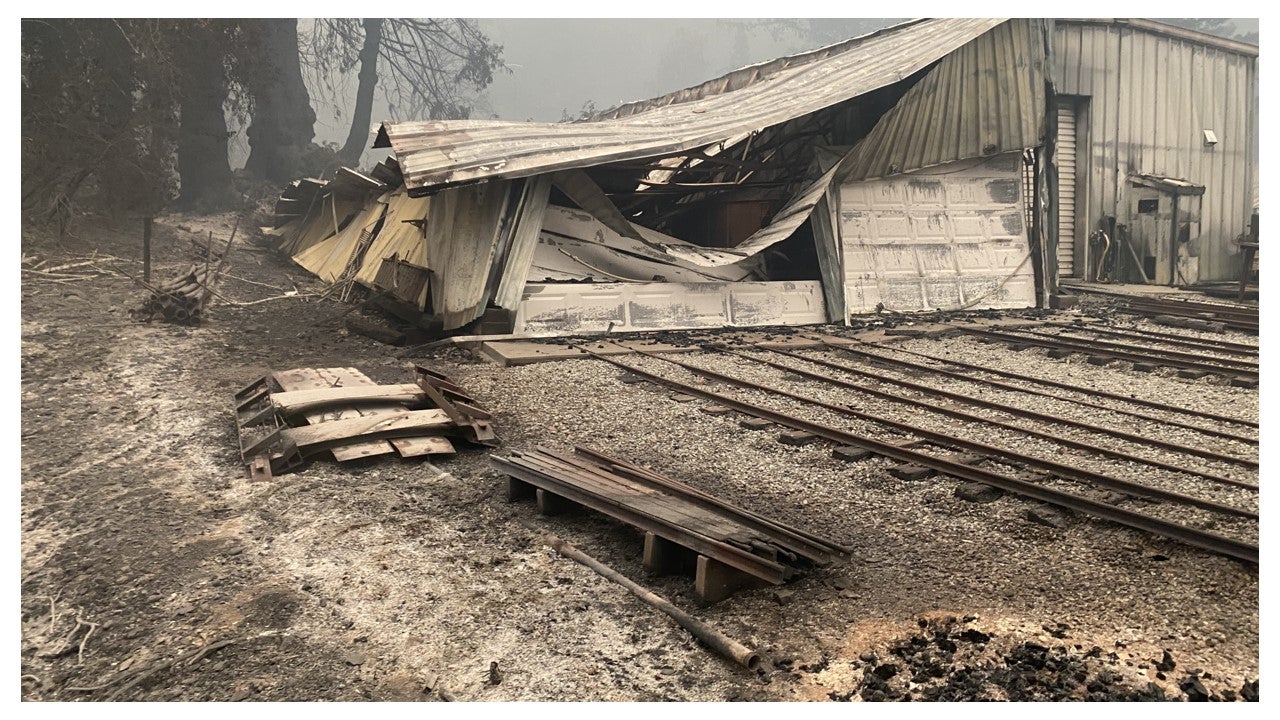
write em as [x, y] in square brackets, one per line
[386, 578]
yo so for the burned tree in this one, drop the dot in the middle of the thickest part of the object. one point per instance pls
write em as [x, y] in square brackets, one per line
[425, 67]
[283, 120]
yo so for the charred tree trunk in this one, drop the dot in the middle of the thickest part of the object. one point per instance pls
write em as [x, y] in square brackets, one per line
[203, 167]
[358, 138]
[283, 121]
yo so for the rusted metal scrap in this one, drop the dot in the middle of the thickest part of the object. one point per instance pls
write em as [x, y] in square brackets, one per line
[289, 417]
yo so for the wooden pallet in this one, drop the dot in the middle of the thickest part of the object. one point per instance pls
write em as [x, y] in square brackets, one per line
[726, 547]
[323, 378]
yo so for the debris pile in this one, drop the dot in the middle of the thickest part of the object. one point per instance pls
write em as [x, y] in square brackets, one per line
[288, 417]
[949, 660]
[180, 300]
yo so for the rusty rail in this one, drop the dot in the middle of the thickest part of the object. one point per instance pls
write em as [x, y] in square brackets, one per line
[1152, 336]
[1049, 465]
[1061, 385]
[917, 367]
[1013, 410]
[1158, 355]
[1188, 535]
[1089, 349]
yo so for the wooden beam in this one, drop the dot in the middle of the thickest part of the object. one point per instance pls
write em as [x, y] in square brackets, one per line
[302, 400]
[406, 423]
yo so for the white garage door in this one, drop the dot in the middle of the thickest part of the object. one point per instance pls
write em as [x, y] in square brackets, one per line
[950, 237]
[1066, 190]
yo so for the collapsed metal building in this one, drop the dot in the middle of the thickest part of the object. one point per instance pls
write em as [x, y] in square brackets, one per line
[905, 170]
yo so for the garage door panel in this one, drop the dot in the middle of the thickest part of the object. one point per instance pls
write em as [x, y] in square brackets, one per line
[943, 238]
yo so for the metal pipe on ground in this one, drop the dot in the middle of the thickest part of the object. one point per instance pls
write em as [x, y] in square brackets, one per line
[714, 639]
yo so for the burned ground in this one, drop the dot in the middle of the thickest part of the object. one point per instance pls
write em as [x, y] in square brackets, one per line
[143, 542]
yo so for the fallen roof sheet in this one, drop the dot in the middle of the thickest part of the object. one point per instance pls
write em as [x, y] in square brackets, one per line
[436, 154]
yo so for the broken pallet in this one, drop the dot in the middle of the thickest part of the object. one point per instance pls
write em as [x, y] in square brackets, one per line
[727, 547]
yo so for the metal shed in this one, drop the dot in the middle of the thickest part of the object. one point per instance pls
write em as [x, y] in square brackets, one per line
[1138, 97]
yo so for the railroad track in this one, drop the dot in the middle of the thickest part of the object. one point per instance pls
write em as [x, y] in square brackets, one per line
[960, 414]
[1236, 317]
[913, 367]
[1240, 373]
[1162, 338]
[1045, 382]
[971, 470]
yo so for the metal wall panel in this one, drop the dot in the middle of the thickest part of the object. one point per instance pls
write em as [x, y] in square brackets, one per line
[553, 309]
[985, 98]
[948, 237]
[1151, 97]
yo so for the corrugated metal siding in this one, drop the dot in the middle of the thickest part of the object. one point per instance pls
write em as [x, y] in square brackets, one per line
[1066, 153]
[401, 235]
[444, 153]
[985, 98]
[1151, 96]
[462, 238]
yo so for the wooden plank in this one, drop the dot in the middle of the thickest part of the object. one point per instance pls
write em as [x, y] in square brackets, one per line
[313, 378]
[406, 423]
[418, 446]
[300, 400]
[349, 377]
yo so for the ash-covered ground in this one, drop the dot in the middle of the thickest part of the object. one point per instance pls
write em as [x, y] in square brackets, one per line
[153, 570]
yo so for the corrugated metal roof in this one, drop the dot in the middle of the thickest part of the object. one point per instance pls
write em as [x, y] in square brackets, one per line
[986, 98]
[436, 154]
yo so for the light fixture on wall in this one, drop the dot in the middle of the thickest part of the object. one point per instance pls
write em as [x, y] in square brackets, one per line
[1210, 138]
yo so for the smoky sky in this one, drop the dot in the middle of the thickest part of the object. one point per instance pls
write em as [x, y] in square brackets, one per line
[557, 66]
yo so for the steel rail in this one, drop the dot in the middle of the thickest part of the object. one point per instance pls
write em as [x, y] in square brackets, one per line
[1246, 312]
[1232, 319]
[1001, 407]
[1158, 354]
[962, 415]
[1066, 471]
[1188, 535]
[1054, 383]
[881, 359]
[1088, 349]
[1138, 334]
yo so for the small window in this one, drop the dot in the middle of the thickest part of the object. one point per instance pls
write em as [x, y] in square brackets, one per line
[1148, 206]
